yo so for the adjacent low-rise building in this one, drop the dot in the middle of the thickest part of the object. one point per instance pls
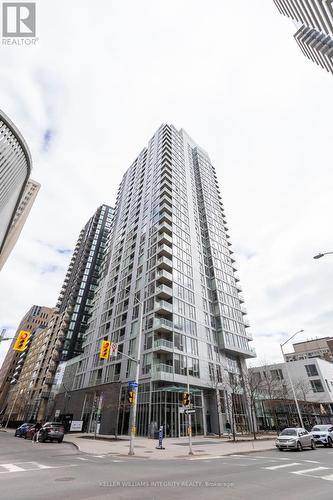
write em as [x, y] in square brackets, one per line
[315, 348]
[312, 379]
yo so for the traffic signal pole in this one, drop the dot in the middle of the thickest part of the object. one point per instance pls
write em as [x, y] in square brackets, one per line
[137, 374]
[189, 416]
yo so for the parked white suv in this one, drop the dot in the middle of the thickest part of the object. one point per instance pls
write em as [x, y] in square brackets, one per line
[323, 434]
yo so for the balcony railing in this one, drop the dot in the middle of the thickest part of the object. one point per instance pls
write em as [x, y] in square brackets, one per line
[161, 367]
[163, 324]
[162, 343]
[164, 277]
[165, 238]
[164, 263]
[164, 250]
[164, 291]
[163, 304]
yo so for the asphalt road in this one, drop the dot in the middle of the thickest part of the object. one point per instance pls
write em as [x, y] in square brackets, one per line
[57, 471]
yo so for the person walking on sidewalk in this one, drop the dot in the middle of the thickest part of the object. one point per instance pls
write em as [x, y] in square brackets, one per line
[228, 427]
[38, 427]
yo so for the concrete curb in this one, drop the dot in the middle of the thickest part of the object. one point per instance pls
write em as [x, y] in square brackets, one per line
[205, 457]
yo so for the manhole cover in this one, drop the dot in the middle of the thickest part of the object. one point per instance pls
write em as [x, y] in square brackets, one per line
[65, 479]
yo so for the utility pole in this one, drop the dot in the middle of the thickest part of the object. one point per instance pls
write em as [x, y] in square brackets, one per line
[289, 377]
[189, 416]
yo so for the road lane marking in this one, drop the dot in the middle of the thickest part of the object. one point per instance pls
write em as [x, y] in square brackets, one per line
[11, 468]
[306, 471]
[311, 461]
[99, 456]
[282, 466]
[328, 478]
[81, 458]
[118, 460]
[205, 458]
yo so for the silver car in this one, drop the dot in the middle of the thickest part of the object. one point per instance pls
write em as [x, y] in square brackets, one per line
[295, 438]
[323, 434]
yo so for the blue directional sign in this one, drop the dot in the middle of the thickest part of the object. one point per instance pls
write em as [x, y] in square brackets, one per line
[132, 383]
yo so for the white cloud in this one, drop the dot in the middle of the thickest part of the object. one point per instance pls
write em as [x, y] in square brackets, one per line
[104, 77]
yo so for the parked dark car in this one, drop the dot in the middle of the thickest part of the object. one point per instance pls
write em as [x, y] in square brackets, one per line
[51, 431]
[20, 431]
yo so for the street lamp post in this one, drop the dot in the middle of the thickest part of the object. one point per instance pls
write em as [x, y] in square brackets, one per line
[320, 255]
[289, 377]
[13, 406]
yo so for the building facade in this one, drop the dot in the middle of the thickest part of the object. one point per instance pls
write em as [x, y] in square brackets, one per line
[169, 250]
[315, 348]
[15, 168]
[275, 407]
[27, 200]
[314, 20]
[77, 293]
[34, 321]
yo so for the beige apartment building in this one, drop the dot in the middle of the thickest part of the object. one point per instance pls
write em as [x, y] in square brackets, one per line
[36, 319]
[315, 348]
[28, 398]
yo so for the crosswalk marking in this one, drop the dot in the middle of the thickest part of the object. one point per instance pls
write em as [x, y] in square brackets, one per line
[29, 467]
[306, 471]
[282, 466]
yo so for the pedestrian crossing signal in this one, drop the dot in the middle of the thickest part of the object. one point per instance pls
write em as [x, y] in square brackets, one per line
[131, 397]
[186, 399]
[105, 349]
[21, 341]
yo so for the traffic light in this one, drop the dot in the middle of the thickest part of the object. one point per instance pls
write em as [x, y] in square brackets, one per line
[131, 396]
[105, 349]
[21, 341]
[186, 399]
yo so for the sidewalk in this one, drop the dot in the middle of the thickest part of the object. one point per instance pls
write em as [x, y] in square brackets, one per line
[174, 447]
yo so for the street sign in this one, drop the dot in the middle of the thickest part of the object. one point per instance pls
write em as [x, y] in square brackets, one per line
[57, 413]
[189, 412]
[132, 383]
[76, 426]
[114, 349]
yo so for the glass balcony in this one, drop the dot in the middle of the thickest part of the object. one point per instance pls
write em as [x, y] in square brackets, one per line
[164, 277]
[164, 263]
[163, 307]
[163, 345]
[166, 207]
[164, 250]
[161, 367]
[163, 292]
[165, 216]
[165, 227]
[163, 325]
[165, 239]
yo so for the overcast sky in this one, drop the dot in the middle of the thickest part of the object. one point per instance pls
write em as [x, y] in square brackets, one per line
[103, 77]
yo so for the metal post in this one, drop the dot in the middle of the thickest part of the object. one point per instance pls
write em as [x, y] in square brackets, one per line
[12, 409]
[137, 374]
[189, 430]
[292, 388]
